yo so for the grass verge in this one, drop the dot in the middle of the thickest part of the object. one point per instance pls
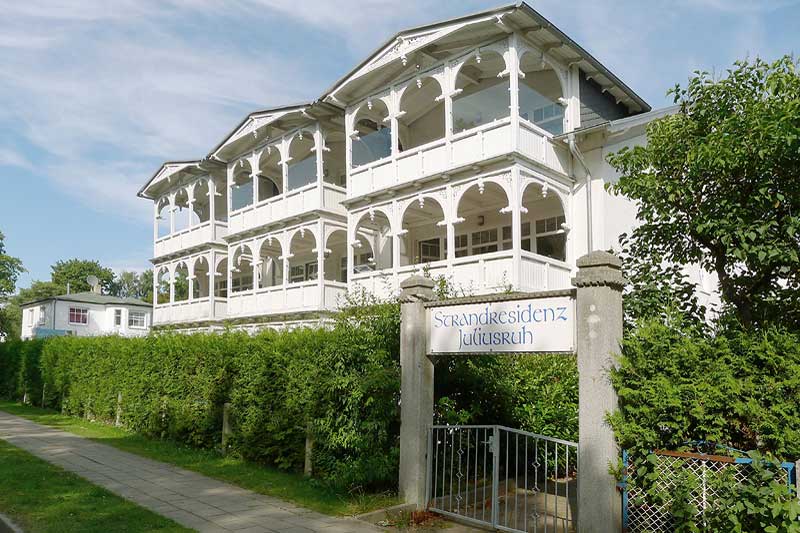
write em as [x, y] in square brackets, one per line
[284, 485]
[43, 498]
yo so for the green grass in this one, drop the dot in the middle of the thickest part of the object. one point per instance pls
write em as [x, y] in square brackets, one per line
[284, 485]
[43, 498]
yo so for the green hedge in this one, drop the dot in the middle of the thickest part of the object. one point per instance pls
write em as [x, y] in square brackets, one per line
[341, 386]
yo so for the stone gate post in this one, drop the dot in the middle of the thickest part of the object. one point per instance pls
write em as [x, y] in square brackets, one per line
[599, 285]
[416, 397]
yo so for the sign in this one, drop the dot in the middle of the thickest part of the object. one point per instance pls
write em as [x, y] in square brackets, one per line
[531, 325]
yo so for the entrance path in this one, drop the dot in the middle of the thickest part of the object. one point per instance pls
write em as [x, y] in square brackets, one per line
[191, 499]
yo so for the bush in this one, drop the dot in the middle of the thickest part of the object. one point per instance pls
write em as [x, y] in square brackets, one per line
[339, 386]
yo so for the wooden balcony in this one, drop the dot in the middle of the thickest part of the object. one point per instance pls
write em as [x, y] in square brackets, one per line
[193, 310]
[303, 296]
[196, 235]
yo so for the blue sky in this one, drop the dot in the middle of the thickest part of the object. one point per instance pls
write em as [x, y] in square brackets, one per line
[95, 95]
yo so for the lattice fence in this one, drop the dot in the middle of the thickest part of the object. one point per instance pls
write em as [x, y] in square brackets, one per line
[673, 468]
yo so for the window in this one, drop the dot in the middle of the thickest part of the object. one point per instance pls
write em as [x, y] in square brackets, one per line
[42, 315]
[242, 283]
[525, 242]
[137, 319]
[551, 239]
[361, 263]
[429, 250]
[311, 271]
[484, 242]
[78, 315]
[305, 272]
[118, 317]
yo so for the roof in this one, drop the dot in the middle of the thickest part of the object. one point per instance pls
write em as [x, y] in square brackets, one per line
[92, 298]
[405, 42]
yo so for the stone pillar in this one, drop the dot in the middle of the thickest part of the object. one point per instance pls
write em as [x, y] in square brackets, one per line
[416, 397]
[599, 285]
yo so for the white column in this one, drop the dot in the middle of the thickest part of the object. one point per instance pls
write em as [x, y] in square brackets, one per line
[285, 164]
[172, 285]
[230, 171]
[348, 147]
[171, 214]
[321, 262]
[352, 238]
[190, 197]
[319, 149]
[212, 196]
[513, 87]
[394, 111]
[155, 286]
[155, 220]
[516, 226]
[211, 280]
[450, 217]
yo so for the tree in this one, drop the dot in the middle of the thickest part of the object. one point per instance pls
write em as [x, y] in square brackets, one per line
[10, 269]
[717, 185]
[130, 284]
[75, 271]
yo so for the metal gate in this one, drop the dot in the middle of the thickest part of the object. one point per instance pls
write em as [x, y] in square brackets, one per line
[508, 479]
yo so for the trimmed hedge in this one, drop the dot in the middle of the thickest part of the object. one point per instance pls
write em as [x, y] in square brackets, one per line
[340, 386]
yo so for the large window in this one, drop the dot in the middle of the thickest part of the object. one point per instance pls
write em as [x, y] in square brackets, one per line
[484, 242]
[429, 250]
[78, 315]
[551, 239]
[137, 319]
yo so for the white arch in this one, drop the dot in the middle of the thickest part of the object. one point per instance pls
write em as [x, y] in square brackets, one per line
[557, 68]
[470, 185]
[359, 217]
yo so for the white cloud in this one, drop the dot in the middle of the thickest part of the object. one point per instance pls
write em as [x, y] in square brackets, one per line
[12, 158]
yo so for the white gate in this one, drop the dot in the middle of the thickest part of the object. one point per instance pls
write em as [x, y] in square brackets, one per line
[508, 479]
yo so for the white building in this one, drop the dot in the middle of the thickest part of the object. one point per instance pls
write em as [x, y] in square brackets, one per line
[85, 314]
[473, 148]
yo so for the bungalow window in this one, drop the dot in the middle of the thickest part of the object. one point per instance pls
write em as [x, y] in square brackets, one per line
[117, 317]
[78, 315]
[137, 319]
[42, 315]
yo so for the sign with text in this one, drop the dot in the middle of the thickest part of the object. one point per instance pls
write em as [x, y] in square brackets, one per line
[531, 325]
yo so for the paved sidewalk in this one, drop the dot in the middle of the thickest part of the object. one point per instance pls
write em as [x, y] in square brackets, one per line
[191, 499]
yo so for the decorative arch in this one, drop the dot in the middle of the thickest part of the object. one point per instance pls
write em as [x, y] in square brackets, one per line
[481, 90]
[372, 212]
[198, 273]
[421, 118]
[542, 91]
[334, 158]
[201, 206]
[163, 282]
[302, 167]
[372, 132]
[180, 281]
[241, 190]
[375, 229]
[221, 277]
[303, 265]
[163, 209]
[270, 176]
[543, 220]
[335, 254]
[483, 218]
[241, 268]
[270, 262]
[424, 233]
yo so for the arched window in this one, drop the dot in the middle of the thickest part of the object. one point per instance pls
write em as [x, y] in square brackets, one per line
[302, 161]
[333, 159]
[271, 268]
[221, 279]
[200, 278]
[163, 282]
[373, 132]
[182, 214]
[425, 240]
[270, 179]
[242, 189]
[483, 96]
[422, 114]
[303, 264]
[242, 270]
[181, 282]
[162, 219]
[336, 256]
[200, 206]
[486, 225]
[544, 228]
[373, 250]
[540, 95]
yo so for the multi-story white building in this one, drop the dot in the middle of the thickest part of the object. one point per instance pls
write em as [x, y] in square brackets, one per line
[85, 314]
[473, 148]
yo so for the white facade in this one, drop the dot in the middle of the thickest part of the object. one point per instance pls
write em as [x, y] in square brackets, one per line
[472, 149]
[85, 315]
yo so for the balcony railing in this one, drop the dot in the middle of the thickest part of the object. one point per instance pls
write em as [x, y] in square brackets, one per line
[190, 237]
[476, 274]
[189, 311]
[471, 146]
[287, 205]
[289, 298]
